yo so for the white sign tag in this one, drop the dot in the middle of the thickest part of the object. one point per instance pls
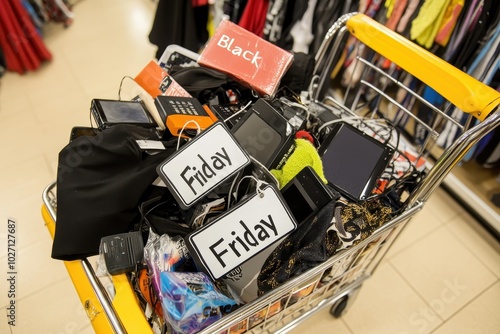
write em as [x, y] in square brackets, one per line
[202, 164]
[150, 144]
[241, 233]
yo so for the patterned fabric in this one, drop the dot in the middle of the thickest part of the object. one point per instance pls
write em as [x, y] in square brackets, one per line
[337, 226]
[310, 244]
[354, 222]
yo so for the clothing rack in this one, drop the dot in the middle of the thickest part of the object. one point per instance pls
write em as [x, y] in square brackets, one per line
[21, 32]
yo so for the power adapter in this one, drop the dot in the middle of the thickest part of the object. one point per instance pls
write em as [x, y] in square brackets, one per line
[122, 252]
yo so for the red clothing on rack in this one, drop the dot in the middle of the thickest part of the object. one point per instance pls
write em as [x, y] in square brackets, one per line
[253, 18]
[23, 48]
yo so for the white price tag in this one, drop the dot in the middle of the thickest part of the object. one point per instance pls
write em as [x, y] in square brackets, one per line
[202, 164]
[241, 233]
[150, 144]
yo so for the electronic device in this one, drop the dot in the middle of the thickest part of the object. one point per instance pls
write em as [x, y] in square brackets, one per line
[265, 134]
[176, 55]
[227, 113]
[122, 252]
[295, 117]
[179, 112]
[353, 160]
[306, 194]
[109, 112]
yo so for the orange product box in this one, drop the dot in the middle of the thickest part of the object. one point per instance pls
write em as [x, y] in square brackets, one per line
[250, 59]
[156, 81]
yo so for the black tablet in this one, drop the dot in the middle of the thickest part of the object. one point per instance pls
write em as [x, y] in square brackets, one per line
[353, 160]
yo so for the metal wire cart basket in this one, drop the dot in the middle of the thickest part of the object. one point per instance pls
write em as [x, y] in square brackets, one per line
[381, 62]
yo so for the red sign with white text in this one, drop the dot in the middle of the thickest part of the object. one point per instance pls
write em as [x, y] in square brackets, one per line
[247, 57]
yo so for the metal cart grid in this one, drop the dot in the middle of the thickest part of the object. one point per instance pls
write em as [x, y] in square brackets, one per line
[335, 282]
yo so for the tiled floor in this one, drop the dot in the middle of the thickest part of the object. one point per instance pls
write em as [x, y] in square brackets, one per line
[442, 275]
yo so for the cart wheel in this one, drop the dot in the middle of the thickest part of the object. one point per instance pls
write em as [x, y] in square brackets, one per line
[339, 307]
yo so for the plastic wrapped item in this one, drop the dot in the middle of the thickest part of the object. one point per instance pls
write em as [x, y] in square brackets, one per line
[164, 253]
[191, 302]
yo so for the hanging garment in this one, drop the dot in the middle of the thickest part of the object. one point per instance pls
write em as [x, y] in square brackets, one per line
[374, 8]
[40, 10]
[426, 114]
[449, 22]
[474, 38]
[294, 12]
[425, 26]
[410, 12]
[23, 48]
[471, 9]
[254, 16]
[302, 30]
[326, 14]
[274, 20]
[395, 12]
[234, 9]
[174, 23]
[58, 11]
[2, 63]
[33, 16]
[484, 64]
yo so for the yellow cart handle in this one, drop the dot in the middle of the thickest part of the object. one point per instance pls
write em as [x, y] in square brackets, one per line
[465, 92]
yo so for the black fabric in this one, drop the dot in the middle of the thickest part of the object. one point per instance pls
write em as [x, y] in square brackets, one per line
[325, 14]
[294, 12]
[206, 84]
[488, 155]
[474, 37]
[338, 225]
[100, 181]
[234, 9]
[299, 75]
[2, 63]
[174, 23]
[306, 247]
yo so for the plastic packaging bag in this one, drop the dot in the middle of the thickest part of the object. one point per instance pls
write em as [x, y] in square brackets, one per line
[191, 302]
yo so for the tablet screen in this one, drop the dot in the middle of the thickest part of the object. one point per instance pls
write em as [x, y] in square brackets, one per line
[353, 161]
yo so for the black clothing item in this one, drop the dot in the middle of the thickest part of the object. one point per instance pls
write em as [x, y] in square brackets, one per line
[338, 225]
[462, 57]
[306, 247]
[2, 63]
[325, 15]
[209, 85]
[299, 75]
[274, 20]
[294, 12]
[100, 181]
[489, 153]
[234, 9]
[174, 23]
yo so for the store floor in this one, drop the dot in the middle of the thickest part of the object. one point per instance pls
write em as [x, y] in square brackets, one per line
[442, 276]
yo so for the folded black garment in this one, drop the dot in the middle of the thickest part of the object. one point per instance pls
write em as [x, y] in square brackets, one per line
[100, 181]
[306, 247]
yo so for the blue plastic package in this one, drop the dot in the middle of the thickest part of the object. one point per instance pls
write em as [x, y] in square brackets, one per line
[191, 302]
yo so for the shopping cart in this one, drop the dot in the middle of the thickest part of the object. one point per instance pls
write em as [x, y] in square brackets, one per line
[335, 282]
